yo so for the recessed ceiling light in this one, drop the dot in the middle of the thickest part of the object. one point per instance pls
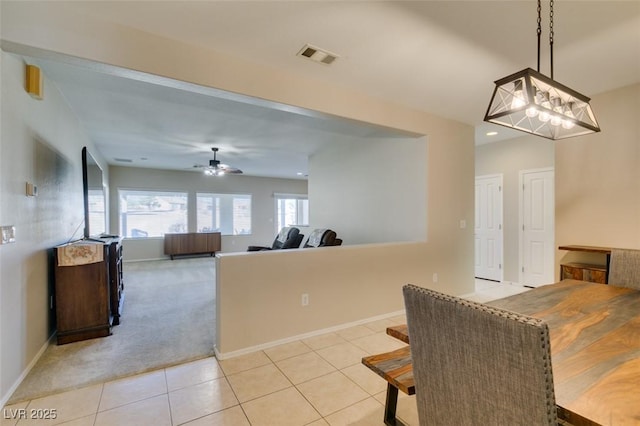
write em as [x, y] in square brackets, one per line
[492, 133]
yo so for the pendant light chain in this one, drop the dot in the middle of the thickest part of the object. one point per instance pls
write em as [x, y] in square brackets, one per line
[551, 35]
[539, 32]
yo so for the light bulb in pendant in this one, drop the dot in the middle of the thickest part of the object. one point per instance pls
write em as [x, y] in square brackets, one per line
[568, 123]
[556, 119]
[518, 95]
[532, 111]
[544, 115]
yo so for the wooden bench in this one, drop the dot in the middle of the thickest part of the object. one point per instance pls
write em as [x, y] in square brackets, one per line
[396, 368]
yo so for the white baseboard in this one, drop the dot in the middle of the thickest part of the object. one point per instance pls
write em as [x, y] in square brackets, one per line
[256, 348]
[514, 283]
[146, 260]
[27, 370]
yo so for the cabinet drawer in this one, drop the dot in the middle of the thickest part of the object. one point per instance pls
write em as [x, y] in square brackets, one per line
[584, 272]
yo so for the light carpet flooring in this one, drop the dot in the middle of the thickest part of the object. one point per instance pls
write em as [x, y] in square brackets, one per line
[315, 381]
[168, 318]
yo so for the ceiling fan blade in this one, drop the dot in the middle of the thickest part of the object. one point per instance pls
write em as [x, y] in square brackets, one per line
[230, 170]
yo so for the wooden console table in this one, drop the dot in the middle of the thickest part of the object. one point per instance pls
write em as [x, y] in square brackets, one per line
[192, 243]
[583, 271]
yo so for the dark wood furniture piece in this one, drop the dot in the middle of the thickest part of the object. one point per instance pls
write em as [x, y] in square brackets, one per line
[89, 297]
[116, 277]
[192, 243]
[81, 299]
[586, 271]
[395, 367]
[595, 348]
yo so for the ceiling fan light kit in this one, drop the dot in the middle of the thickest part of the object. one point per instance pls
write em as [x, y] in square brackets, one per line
[215, 168]
[534, 103]
[212, 171]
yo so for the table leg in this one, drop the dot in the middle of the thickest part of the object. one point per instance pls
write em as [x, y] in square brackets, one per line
[390, 407]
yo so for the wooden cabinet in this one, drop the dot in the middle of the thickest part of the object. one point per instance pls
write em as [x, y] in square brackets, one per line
[192, 243]
[88, 296]
[587, 271]
[82, 300]
[584, 272]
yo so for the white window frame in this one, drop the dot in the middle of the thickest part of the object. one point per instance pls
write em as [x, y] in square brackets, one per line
[145, 233]
[226, 225]
[279, 221]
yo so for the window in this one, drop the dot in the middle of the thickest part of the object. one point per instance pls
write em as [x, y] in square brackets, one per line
[291, 210]
[229, 214]
[152, 213]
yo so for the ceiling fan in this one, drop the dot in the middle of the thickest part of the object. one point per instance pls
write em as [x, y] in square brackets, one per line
[216, 168]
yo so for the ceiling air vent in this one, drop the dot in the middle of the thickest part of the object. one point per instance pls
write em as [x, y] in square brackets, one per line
[123, 160]
[317, 55]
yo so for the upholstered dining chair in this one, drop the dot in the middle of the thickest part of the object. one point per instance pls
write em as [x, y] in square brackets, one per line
[624, 269]
[289, 237]
[478, 365]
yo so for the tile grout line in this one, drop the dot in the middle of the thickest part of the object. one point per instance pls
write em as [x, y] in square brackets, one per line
[272, 361]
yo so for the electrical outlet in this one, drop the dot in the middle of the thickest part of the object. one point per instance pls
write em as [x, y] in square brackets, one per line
[435, 277]
[305, 299]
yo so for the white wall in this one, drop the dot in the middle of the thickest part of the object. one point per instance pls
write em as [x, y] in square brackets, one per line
[598, 178]
[259, 294]
[262, 203]
[508, 158]
[41, 143]
[370, 190]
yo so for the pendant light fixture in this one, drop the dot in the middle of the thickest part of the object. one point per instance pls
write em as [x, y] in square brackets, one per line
[534, 103]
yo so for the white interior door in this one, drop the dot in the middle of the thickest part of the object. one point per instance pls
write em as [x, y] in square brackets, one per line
[537, 224]
[488, 227]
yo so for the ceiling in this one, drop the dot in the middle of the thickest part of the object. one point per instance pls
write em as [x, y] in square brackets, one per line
[437, 56]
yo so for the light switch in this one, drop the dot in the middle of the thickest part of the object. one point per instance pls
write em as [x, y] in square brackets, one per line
[463, 224]
[8, 234]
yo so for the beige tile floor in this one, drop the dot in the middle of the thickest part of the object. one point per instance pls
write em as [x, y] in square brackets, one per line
[315, 381]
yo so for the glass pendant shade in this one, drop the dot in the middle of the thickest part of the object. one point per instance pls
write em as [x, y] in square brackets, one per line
[532, 102]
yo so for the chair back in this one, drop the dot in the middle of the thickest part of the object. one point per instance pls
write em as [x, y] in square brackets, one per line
[321, 237]
[288, 237]
[478, 365]
[624, 269]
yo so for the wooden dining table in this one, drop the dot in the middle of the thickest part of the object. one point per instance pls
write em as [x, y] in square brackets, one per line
[595, 348]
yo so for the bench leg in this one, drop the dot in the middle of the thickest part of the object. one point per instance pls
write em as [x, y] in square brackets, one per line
[390, 407]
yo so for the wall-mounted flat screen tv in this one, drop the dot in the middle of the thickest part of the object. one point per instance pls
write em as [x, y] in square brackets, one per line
[95, 214]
